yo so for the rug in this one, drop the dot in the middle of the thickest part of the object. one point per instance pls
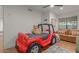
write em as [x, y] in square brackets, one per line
[56, 49]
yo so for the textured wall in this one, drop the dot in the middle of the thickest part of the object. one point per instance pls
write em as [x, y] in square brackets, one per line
[18, 19]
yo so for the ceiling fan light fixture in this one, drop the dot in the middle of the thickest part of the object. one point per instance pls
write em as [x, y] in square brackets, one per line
[61, 8]
[51, 6]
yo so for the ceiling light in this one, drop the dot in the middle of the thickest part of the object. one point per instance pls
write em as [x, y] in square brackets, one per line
[51, 6]
[61, 8]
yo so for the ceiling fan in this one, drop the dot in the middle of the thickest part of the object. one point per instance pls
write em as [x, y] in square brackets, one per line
[54, 6]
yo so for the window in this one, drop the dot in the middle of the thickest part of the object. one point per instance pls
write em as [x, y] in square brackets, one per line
[68, 23]
[62, 23]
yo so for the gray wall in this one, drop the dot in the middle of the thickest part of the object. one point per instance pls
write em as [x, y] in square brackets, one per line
[45, 16]
[77, 44]
[18, 19]
[1, 20]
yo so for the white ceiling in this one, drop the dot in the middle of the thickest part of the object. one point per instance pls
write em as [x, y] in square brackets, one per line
[66, 8]
[38, 7]
[56, 10]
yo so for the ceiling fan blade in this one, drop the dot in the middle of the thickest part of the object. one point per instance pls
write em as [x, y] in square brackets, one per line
[46, 6]
[58, 5]
[54, 5]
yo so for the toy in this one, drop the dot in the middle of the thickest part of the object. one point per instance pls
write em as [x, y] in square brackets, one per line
[32, 43]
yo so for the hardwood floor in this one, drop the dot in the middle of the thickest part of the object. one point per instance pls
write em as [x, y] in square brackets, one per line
[1, 43]
[68, 45]
[64, 44]
[11, 50]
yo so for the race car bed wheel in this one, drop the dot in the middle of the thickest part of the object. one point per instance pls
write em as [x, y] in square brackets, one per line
[34, 48]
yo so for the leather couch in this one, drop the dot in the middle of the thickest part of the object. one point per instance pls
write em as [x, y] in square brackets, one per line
[68, 35]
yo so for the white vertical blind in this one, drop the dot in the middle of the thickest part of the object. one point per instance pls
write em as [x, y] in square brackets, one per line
[68, 23]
